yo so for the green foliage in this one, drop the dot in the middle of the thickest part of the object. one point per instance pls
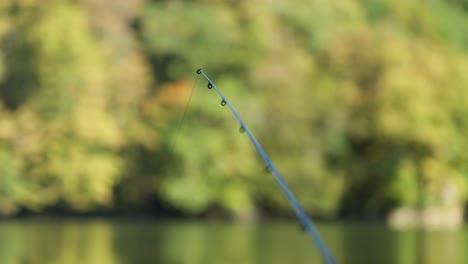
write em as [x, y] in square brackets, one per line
[361, 104]
[67, 128]
[184, 35]
[13, 188]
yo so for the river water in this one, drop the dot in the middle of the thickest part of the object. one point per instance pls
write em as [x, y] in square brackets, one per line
[110, 241]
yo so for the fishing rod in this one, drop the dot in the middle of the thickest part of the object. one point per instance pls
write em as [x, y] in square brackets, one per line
[300, 212]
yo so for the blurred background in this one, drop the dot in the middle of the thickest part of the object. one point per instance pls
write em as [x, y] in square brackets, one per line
[361, 104]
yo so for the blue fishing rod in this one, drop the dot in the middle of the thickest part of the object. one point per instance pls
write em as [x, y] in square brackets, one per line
[300, 213]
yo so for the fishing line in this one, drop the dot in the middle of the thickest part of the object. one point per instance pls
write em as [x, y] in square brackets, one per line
[300, 212]
[184, 115]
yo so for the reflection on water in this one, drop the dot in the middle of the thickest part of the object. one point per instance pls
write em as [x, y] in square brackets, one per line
[147, 241]
[56, 242]
[377, 244]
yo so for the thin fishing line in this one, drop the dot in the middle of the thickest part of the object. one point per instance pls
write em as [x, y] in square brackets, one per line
[184, 115]
[300, 212]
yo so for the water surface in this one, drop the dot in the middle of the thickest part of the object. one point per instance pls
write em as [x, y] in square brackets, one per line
[188, 242]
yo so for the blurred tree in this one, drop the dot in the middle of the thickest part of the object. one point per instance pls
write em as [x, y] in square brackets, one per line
[69, 118]
[361, 136]
[362, 104]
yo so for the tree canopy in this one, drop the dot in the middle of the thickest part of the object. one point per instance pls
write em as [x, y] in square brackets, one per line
[362, 104]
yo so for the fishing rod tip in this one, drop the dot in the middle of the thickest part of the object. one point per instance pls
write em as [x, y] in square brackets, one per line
[199, 71]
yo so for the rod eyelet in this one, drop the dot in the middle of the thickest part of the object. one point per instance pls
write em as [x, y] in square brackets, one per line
[241, 129]
[302, 227]
[223, 102]
[198, 71]
[210, 85]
